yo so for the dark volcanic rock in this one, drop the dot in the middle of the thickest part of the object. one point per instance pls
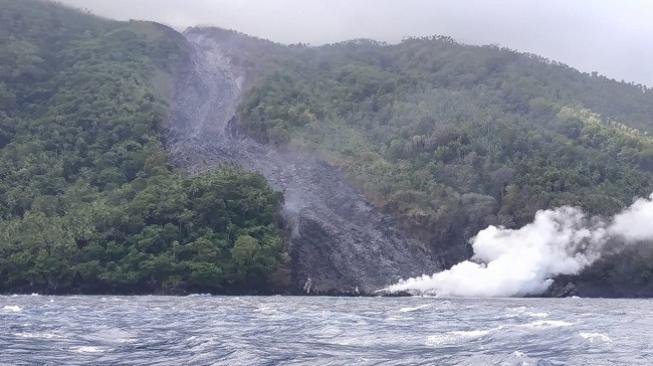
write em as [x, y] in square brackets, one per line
[622, 274]
[339, 244]
[558, 289]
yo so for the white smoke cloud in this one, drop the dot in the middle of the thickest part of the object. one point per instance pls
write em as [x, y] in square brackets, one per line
[524, 261]
[636, 222]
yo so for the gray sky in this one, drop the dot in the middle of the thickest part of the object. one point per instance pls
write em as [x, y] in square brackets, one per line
[613, 37]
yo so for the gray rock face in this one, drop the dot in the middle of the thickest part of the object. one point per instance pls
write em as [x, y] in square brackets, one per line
[339, 243]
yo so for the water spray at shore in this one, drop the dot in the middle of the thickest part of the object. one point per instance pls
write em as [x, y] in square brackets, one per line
[524, 261]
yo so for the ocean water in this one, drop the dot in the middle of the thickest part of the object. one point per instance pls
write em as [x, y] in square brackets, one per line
[216, 330]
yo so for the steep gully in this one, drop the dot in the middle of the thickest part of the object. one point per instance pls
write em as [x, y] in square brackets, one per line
[339, 244]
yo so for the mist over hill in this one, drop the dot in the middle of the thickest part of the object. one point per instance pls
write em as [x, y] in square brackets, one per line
[612, 37]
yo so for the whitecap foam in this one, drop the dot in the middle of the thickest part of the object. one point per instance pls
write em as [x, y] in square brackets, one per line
[595, 337]
[536, 315]
[396, 319]
[522, 310]
[455, 337]
[12, 308]
[266, 310]
[518, 309]
[88, 349]
[37, 335]
[330, 331]
[409, 309]
[111, 335]
[541, 324]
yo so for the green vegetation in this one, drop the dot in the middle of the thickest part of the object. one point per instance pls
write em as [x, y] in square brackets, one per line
[450, 138]
[446, 137]
[87, 200]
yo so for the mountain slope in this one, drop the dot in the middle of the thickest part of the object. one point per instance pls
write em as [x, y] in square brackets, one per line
[386, 158]
[447, 150]
[339, 243]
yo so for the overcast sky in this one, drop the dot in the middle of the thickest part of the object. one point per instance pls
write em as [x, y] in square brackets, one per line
[614, 37]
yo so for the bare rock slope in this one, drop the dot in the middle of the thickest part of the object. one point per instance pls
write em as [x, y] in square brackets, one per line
[339, 244]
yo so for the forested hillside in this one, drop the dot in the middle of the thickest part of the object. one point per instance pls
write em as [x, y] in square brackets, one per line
[451, 138]
[444, 137]
[88, 202]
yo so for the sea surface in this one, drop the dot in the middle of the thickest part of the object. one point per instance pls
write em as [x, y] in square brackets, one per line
[216, 330]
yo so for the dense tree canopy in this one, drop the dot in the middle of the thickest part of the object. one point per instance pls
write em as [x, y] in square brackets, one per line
[87, 200]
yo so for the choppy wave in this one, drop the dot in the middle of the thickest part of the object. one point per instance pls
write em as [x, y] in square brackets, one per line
[455, 337]
[38, 335]
[213, 330]
[523, 310]
[12, 308]
[595, 337]
[540, 324]
[88, 349]
[415, 308]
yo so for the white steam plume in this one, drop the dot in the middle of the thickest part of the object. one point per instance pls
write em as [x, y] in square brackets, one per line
[524, 261]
